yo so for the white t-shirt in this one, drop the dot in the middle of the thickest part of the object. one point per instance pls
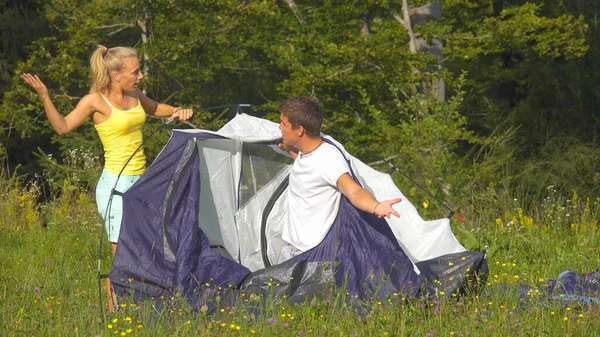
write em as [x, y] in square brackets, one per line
[313, 197]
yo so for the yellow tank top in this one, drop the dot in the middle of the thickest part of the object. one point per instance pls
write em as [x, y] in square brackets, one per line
[121, 135]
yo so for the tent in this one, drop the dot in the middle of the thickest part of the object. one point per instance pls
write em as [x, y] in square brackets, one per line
[207, 217]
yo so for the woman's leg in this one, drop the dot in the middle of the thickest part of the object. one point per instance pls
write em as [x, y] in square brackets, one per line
[110, 207]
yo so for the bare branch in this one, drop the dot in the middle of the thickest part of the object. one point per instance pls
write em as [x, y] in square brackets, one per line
[118, 30]
[67, 96]
[114, 25]
[406, 22]
[263, 96]
[487, 36]
[398, 18]
[375, 66]
[296, 11]
[122, 26]
[338, 73]
[60, 13]
[241, 68]
[404, 93]
[420, 15]
[384, 161]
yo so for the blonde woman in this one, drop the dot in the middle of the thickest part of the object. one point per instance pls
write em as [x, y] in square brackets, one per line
[118, 108]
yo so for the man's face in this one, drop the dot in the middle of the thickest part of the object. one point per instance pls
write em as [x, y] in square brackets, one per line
[288, 133]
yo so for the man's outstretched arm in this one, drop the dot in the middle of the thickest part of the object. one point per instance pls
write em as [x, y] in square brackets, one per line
[364, 200]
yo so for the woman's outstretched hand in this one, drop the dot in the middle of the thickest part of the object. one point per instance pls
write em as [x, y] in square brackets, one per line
[182, 114]
[37, 84]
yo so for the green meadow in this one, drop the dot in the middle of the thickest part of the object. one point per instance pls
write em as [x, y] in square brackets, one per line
[49, 284]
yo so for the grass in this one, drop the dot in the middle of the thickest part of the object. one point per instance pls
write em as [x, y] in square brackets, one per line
[48, 282]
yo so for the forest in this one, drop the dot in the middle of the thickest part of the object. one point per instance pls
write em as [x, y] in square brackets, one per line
[467, 98]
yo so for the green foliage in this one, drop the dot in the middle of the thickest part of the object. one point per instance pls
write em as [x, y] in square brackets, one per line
[529, 63]
[423, 141]
[519, 29]
[563, 162]
[19, 209]
[60, 213]
[530, 77]
[80, 168]
[19, 25]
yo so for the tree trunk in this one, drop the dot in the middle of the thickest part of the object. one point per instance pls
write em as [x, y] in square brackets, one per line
[145, 22]
[420, 15]
[296, 11]
[364, 26]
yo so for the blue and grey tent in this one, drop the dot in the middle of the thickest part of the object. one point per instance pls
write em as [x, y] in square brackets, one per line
[208, 213]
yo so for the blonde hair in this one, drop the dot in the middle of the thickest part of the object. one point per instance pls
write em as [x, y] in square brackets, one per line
[103, 61]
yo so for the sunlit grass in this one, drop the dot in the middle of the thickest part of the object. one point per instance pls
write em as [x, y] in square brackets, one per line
[49, 284]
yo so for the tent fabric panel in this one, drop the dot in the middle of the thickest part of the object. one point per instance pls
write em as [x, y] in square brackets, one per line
[569, 282]
[297, 281]
[364, 253]
[454, 274]
[249, 219]
[370, 257]
[427, 240]
[273, 229]
[139, 267]
[177, 186]
[139, 262]
[421, 240]
[220, 165]
[261, 163]
[250, 129]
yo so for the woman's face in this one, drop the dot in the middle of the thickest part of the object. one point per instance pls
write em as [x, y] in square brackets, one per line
[130, 76]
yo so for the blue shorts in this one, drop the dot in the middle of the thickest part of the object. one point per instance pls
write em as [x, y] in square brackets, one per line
[112, 218]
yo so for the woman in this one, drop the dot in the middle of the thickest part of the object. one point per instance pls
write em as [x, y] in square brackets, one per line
[118, 108]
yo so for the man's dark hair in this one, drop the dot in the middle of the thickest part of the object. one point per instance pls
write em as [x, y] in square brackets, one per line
[305, 112]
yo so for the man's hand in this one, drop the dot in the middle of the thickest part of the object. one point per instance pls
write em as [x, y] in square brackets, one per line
[385, 209]
[364, 200]
[291, 150]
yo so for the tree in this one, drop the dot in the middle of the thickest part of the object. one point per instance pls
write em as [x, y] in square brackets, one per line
[529, 66]
[19, 25]
[353, 56]
[419, 16]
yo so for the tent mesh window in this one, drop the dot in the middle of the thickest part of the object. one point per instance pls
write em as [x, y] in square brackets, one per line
[260, 164]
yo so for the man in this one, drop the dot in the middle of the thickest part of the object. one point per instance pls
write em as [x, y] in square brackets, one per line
[319, 175]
